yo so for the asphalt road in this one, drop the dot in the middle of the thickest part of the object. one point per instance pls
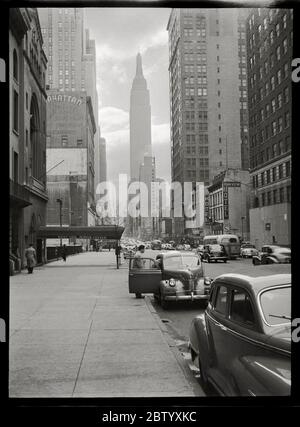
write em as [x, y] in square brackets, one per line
[179, 315]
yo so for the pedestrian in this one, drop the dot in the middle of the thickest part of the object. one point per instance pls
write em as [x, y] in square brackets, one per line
[138, 261]
[30, 255]
[64, 253]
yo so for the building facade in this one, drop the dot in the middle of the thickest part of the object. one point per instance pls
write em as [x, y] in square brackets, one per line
[27, 167]
[206, 77]
[269, 46]
[103, 163]
[72, 60]
[70, 159]
[229, 199]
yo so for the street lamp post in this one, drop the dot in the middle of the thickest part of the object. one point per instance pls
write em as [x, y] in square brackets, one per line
[242, 218]
[60, 217]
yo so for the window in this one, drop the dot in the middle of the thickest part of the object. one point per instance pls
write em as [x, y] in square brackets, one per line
[278, 56]
[277, 29]
[280, 124]
[274, 174]
[15, 111]
[16, 167]
[280, 171]
[279, 78]
[15, 65]
[272, 83]
[64, 140]
[275, 196]
[287, 119]
[288, 193]
[221, 300]
[285, 46]
[287, 169]
[286, 70]
[263, 199]
[273, 104]
[269, 198]
[279, 100]
[281, 195]
[286, 95]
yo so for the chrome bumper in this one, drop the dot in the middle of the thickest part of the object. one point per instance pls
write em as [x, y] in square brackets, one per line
[181, 297]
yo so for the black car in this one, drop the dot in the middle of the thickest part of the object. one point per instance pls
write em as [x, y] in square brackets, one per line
[214, 253]
[173, 276]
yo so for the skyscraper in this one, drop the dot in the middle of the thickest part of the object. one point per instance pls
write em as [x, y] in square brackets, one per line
[71, 61]
[140, 120]
[205, 80]
[270, 50]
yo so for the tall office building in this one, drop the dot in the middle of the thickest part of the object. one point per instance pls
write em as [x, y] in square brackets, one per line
[140, 120]
[270, 47]
[72, 60]
[205, 81]
[103, 162]
[27, 133]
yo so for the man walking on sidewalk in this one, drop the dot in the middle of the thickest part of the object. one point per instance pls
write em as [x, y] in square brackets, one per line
[64, 253]
[30, 255]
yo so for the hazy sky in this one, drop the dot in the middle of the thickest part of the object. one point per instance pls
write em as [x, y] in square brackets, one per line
[119, 34]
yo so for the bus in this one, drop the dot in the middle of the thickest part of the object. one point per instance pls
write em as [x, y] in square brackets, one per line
[230, 242]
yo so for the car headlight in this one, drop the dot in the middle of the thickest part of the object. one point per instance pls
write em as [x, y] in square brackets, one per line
[172, 282]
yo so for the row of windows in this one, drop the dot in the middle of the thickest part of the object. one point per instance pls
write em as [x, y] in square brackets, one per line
[271, 130]
[200, 69]
[203, 174]
[280, 52]
[278, 195]
[269, 109]
[269, 153]
[201, 150]
[272, 175]
[265, 72]
[189, 32]
[201, 91]
[199, 80]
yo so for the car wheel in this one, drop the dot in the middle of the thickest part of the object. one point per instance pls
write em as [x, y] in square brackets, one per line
[225, 260]
[255, 261]
[138, 295]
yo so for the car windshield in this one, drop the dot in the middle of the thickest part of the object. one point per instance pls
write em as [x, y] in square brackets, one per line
[215, 248]
[276, 305]
[184, 261]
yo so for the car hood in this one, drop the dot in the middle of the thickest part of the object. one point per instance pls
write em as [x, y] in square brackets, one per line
[184, 274]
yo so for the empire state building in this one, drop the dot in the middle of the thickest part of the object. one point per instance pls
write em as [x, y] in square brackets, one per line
[140, 121]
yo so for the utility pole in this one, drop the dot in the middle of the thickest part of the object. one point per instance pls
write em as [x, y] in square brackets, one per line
[60, 217]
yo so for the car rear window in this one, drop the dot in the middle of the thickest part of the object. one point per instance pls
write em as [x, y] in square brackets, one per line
[276, 305]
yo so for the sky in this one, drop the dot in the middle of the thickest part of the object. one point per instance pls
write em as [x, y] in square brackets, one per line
[120, 34]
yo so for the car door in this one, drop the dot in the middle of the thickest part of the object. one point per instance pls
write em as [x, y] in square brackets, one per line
[215, 324]
[242, 337]
[144, 280]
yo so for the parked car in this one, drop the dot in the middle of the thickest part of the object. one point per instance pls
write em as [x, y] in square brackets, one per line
[180, 247]
[172, 276]
[272, 254]
[248, 250]
[187, 247]
[214, 253]
[242, 342]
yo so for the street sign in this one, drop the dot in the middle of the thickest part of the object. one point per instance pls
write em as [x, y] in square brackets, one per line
[231, 184]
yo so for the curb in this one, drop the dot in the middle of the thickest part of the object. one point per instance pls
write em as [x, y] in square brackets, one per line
[196, 388]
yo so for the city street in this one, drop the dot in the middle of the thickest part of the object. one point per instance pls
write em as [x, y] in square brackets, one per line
[75, 331]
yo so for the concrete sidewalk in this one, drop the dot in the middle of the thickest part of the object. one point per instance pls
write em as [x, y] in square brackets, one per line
[75, 331]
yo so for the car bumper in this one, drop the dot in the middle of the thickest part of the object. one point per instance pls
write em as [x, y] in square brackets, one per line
[182, 297]
[217, 258]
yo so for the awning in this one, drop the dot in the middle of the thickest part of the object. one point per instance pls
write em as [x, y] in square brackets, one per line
[112, 232]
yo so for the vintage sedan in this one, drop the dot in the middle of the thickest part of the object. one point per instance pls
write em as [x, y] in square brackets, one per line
[242, 342]
[248, 250]
[272, 254]
[172, 276]
[214, 253]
